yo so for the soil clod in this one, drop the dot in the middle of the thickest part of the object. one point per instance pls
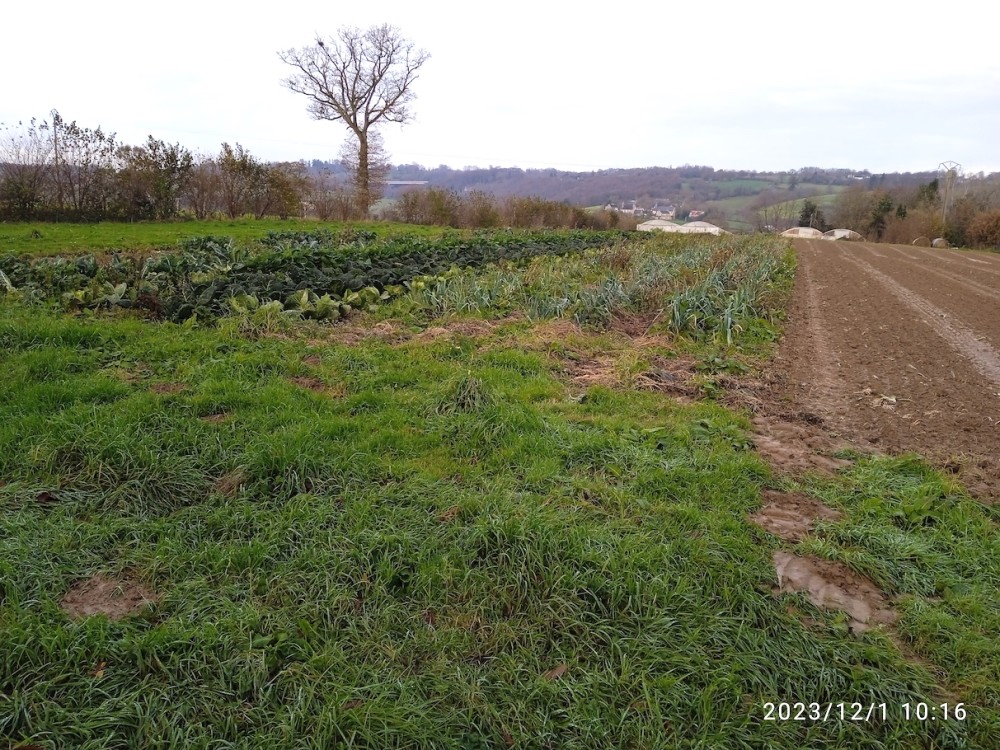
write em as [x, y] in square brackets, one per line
[229, 484]
[833, 586]
[796, 447]
[166, 388]
[44, 497]
[792, 516]
[101, 595]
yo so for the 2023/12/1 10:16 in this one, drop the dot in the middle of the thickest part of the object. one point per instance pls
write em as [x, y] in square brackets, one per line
[801, 711]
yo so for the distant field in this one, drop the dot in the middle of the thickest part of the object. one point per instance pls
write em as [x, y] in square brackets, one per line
[733, 185]
[733, 210]
[50, 238]
[729, 187]
[825, 202]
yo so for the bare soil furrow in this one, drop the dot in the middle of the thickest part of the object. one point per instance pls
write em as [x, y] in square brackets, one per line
[870, 351]
[967, 302]
[982, 281]
[983, 289]
[964, 261]
[983, 357]
[984, 261]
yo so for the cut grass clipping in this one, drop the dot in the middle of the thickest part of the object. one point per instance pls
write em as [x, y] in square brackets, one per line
[449, 545]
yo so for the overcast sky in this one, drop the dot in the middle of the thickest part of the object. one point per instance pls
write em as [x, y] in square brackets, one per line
[878, 84]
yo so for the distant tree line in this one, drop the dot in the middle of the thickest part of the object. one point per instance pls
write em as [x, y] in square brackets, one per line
[479, 209]
[686, 183]
[968, 217]
[57, 170]
[900, 213]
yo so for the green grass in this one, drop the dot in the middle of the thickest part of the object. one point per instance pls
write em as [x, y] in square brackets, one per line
[56, 238]
[728, 186]
[826, 202]
[734, 209]
[420, 538]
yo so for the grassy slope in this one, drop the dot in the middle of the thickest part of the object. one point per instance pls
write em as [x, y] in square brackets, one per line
[734, 208]
[826, 202]
[412, 549]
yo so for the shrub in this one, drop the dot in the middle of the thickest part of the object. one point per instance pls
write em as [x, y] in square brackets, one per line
[985, 229]
[480, 210]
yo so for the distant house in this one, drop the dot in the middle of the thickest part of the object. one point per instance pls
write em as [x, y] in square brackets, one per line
[664, 212]
[695, 214]
[627, 207]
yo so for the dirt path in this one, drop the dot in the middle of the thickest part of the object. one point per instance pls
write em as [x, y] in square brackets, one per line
[898, 348]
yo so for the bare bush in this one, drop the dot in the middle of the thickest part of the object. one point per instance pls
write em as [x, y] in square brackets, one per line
[918, 222]
[480, 210]
[985, 229]
[202, 192]
[25, 162]
[330, 198]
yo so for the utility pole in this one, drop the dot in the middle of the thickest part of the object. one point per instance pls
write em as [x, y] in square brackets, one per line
[951, 169]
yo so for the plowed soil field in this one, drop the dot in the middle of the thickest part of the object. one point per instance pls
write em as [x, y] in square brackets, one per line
[897, 349]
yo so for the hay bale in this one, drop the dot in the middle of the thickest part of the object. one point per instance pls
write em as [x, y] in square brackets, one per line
[921, 242]
[940, 242]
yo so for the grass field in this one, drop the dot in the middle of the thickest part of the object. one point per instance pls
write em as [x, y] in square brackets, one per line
[55, 238]
[734, 209]
[463, 520]
[826, 202]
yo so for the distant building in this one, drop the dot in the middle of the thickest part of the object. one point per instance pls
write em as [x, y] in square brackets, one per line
[656, 225]
[701, 227]
[694, 227]
[808, 232]
[627, 207]
[842, 234]
[664, 212]
[695, 214]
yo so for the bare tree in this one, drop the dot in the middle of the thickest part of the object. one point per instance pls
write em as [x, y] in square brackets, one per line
[853, 209]
[766, 215]
[363, 78]
[203, 187]
[83, 161]
[25, 165]
[242, 182]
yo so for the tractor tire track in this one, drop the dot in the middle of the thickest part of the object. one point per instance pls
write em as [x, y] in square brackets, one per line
[873, 349]
[968, 302]
[982, 356]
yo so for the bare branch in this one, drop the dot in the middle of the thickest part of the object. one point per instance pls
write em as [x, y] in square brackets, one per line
[360, 77]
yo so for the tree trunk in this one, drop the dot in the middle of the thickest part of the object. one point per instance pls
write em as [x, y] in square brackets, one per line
[363, 177]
